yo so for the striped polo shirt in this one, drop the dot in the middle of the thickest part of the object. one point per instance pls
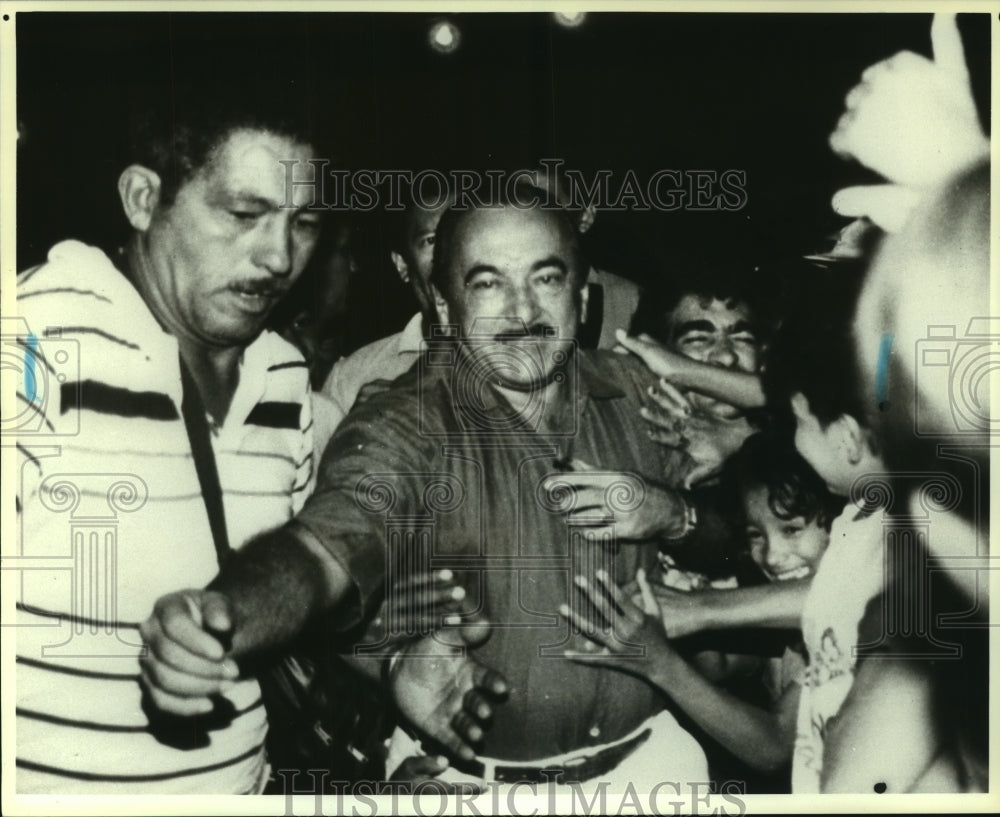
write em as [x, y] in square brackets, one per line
[111, 517]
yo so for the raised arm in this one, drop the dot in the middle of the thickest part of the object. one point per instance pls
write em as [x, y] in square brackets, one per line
[776, 605]
[736, 388]
[760, 737]
[263, 598]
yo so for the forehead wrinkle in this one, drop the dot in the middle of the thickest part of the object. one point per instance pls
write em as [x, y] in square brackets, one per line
[247, 164]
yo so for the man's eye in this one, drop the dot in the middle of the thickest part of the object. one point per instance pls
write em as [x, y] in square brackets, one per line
[792, 530]
[745, 338]
[695, 340]
[244, 215]
[426, 241]
[312, 224]
[554, 278]
[483, 283]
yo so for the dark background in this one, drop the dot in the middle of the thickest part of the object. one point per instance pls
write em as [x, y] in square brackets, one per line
[755, 92]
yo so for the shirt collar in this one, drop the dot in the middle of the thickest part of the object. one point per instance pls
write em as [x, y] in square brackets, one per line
[412, 336]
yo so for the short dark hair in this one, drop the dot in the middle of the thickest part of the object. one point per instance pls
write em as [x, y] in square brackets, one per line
[730, 280]
[769, 460]
[813, 352]
[452, 218]
[177, 136]
[399, 222]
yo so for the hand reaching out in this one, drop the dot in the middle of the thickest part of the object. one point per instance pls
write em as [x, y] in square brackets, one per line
[708, 440]
[681, 612]
[660, 360]
[421, 604]
[635, 509]
[437, 685]
[618, 635]
[914, 121]
[449, 696]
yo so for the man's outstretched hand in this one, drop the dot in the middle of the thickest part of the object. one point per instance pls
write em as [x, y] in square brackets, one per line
[187, 659]
[450, 698]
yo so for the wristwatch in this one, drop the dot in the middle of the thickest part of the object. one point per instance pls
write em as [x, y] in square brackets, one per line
[690, 516]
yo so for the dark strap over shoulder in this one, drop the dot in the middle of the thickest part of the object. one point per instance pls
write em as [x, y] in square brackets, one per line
[193, 410]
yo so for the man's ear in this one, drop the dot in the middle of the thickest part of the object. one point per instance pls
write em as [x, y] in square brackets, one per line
[440, 305]
[139, 190]
[401, 266]
[852, 437]
[584, 299]
[586, 219]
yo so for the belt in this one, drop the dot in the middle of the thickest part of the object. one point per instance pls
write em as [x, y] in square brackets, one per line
[574, 770]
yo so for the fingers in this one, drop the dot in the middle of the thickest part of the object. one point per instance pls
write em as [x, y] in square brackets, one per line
[669, 414]
[172, 656]
[701, 472]
[179, 617]
[669, 397]
[217, 617]
[633, 613]
[628, 343]
[180, 683]
[649, 605]
[656, 357]
[423, 768]
[421, 602]
[184, 664]
[174, 704]
[946, 43]
[419, 608]
[888, 205]
[468, 732]
[604, 658]
[598, 635]
[476, 704]
[663, 436]
[588, 491]
[419, 768]
[602, 600]
[490, 681]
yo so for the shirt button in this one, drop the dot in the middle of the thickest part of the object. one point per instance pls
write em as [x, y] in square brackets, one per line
[595, 731]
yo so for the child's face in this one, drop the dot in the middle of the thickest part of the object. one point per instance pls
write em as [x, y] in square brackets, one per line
[783, 548]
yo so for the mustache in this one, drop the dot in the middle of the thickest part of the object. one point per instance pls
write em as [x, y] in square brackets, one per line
[537, 330]
[260, 287]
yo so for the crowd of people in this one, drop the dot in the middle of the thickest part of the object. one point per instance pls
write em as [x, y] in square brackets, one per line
[557, 527]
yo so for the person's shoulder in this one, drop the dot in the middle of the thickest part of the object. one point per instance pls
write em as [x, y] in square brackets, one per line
[378, 360]
[79, 286]
[280, 359]
[71, 270]
[626, 372]
[401, 394]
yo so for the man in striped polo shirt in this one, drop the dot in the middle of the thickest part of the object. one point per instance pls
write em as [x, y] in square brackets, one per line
[171, 429]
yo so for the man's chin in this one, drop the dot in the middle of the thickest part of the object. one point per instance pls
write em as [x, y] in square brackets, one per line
[234, 333]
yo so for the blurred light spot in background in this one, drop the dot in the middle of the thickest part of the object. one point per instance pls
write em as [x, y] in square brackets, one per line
[444, 36]
[570, 19]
